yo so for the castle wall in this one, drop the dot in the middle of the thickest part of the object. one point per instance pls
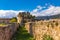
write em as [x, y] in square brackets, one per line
[4, 20]
[48, 27]
[6, 32]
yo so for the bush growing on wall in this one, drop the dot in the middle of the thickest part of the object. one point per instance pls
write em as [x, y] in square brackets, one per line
[47, 37]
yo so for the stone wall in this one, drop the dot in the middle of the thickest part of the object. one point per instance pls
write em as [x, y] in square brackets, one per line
[5, 20]
[6, 32]
[48, 27]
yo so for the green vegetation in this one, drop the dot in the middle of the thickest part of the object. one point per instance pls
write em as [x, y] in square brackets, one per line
[47, 37]
[22, 34]
[14, 19]
[3, 24]
[26, 15]
[31, 17]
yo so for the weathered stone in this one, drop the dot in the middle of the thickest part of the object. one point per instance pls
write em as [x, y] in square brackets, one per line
[7, 31]
[39, 28]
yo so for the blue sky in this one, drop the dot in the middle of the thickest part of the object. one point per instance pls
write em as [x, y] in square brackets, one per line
[11, 8]
[27, 5]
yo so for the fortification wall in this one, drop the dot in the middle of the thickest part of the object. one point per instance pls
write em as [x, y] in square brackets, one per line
[48, 27]
[6, 32]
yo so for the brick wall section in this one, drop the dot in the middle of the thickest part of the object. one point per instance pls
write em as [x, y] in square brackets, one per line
[39, 28]
[6, 32]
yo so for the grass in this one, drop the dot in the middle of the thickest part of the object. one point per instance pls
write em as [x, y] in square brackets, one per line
[14, 19]
[3, 24]
[22, 34]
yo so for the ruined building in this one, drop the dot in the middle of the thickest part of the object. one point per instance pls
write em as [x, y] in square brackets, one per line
[40, 29]
[7, 29]
[24, 17]
[43, 29]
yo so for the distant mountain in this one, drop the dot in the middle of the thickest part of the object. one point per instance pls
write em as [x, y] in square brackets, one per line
[57, 16]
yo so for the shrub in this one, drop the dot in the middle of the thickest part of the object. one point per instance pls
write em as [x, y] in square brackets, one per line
[47, 37]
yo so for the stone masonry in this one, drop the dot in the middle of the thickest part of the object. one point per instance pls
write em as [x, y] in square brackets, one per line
[6, 32]
[39, 28]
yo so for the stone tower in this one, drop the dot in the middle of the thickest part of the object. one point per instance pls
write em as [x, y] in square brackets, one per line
[19, 17]
[23, 17]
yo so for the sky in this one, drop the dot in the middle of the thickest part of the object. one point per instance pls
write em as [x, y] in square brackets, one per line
[10, 8]
[27, 5]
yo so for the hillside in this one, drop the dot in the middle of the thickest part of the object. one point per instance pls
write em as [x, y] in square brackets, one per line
[48, 17]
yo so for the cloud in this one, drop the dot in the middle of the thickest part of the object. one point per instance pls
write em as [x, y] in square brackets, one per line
[39, 11]
[8, 13]
[51, 10]
[40, 7]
